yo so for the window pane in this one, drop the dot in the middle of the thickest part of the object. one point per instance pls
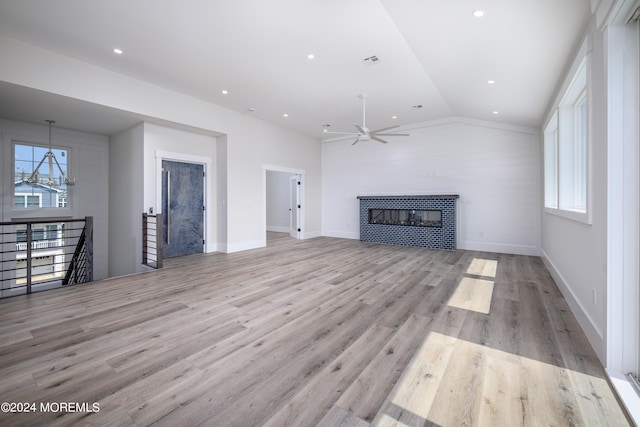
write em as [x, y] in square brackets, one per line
[39, 174]
[551, 164]
[581, 156]
[33, 201]
[19, 201]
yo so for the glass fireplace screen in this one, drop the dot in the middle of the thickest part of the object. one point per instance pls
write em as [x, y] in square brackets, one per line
[411, 217]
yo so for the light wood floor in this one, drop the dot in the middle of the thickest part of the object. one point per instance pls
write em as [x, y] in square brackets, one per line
[316, 332]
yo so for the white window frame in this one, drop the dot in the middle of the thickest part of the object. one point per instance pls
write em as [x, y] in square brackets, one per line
[567, 147]
[551, 163]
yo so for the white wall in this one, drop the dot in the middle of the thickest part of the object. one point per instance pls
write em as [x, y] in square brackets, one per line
[161, 142]
[575, 252]
[126, 203]
[494, 168]
[248, 143]
[248, 151]
[278, 201]
[89, 162]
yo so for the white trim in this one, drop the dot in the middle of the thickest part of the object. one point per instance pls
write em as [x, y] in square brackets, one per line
[302, 201]
[310, 235]
[505, 248]
[622, 43]
[626, 392]
[588, 325]
[578, 216]
[342, 234]
[244, 246]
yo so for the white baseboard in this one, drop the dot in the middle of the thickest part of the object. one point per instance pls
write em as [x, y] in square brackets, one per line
[278, 228]
[503, 248]
[245, 246]
[589, 327]
[342, 234]
[310, 234]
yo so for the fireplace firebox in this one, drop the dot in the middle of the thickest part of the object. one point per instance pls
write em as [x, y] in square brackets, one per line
[422, 220]
[408, 217]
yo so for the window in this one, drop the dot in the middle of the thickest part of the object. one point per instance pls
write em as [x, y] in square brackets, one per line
[39, 176]
[27, 200]
[566, 138]
[551, 164]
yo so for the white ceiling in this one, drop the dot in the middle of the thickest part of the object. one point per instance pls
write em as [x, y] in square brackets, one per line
[433, 53]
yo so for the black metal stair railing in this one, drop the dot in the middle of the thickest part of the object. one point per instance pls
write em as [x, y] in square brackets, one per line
[38, 255]
[152, 240]
[82, 257]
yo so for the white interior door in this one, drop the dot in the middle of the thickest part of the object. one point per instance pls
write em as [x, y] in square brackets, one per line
[294, 206]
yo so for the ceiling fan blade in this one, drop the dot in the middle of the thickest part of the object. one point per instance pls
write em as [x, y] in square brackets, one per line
[375, 138]
[343, 133]
[390, 134]
[383, 129]
[361, 129]
[356, 141]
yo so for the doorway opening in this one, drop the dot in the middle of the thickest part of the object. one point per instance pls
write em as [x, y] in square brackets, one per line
[284, 207]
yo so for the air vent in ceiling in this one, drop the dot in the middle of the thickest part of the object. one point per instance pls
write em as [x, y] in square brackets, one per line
[371, 60]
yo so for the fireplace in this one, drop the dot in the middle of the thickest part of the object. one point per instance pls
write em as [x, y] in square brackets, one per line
[422, 220]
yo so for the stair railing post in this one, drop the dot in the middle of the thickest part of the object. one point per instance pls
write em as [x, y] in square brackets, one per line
[88, 241]
[159, 237]
[29, 251]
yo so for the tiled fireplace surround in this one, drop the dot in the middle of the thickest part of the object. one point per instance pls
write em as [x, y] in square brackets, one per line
[443, 237]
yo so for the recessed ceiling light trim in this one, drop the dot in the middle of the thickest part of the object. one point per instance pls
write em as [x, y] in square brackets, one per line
[117, 51]
[478, 13]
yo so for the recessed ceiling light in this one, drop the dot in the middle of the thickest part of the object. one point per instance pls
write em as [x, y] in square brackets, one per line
[251, 109]
[495, 112]
[285, 115]
[224, 91]
[491, 82]
[478, 13]
[324, 130]
[311, 56]
[394, 117]
[117, 51]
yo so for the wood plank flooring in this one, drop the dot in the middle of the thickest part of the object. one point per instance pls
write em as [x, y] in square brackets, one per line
[316, 332]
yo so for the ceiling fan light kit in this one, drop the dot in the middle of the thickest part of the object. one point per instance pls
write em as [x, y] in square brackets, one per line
[364, 134]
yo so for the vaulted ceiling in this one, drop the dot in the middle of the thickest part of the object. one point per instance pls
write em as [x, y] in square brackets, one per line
[431, 58]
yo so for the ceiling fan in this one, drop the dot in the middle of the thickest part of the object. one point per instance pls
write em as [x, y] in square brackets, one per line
[364, 134]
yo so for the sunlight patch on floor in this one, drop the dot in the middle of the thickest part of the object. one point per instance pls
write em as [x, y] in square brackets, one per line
[456, 382]
[483, 267]
[473, 294]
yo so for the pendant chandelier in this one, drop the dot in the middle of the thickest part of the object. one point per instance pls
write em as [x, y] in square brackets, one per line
[51, 159]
